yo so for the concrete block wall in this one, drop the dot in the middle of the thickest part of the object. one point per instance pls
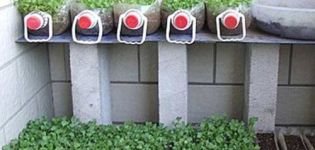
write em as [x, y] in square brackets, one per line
[25, 89]
[216, 77]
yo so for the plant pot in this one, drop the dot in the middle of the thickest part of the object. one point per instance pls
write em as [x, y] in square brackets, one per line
[211, 21]
[291, 141]
[286, 18]
[105, 14]
[197, 11]
[267, 141]
[152, 12]
[60, 22]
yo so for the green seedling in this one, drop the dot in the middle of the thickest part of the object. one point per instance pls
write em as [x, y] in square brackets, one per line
[216, 5]
[98, 3]
[216, 133]
[180, 4]
[49, 6]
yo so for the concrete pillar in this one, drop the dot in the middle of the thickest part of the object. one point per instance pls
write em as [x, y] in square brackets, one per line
[173, 82]
[90, 83]
[261, 84]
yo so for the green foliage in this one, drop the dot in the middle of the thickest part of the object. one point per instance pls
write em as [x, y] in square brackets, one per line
[180, 4]
[218, 133]
[98, 3]
[49, 6]
[216, 5]
[140, 2]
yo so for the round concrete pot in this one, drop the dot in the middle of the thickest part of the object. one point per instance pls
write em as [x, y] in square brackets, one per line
[286, 18]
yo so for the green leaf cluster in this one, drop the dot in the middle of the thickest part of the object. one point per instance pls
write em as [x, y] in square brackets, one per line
[217, 133]
[139, 2]
[216, 5]
[98, 3]
[180, 4]
[49, 6]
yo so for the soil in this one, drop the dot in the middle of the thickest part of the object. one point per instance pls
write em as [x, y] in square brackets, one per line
[266, 141]
[312, 140]
[294, 142]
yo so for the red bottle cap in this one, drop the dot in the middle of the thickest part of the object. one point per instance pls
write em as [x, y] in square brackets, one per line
[231, 21]
[34, 22]
[181, 21]
[85, 22]
[132, 21]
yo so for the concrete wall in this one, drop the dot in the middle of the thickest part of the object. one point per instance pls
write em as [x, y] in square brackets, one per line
[25, 89]
[216, 76]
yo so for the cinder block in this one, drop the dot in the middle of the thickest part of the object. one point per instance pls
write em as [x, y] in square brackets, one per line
[295, 106]
[134, 102]
[45, 102]
[173, 83]
[33, 72]
[284, 66]
[205, 101]
[18, 122]
[149, 62]
[123, 62]
[261, 85]
[200, 62]
[9, 94]
[303, 62]
[230, 63]
[2, 138]
[62, 99]
[90, 83]
[11, 29]
[57, 62]
[67, 61]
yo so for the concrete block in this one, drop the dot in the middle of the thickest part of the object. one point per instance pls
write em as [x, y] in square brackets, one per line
[45, 102]
[57, 62]
[200, 62]
[11, 29]
[123, 62]
[261, 85]
[173, 82]
[33, 72]
[9, 94]
[149, 62]
[2, 138]
[67, 61]
[205, 101]
[284, 66]
[134, 102]
[62, 99]
[303, 62]
[18, 122]
[90, 83]
[295, 106]
[230, 63]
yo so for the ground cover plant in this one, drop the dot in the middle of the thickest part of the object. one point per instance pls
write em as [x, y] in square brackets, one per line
[216, 5]
[49, 6]
[98, 3]
[216, 133]
[140, 2]
[180, 4]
